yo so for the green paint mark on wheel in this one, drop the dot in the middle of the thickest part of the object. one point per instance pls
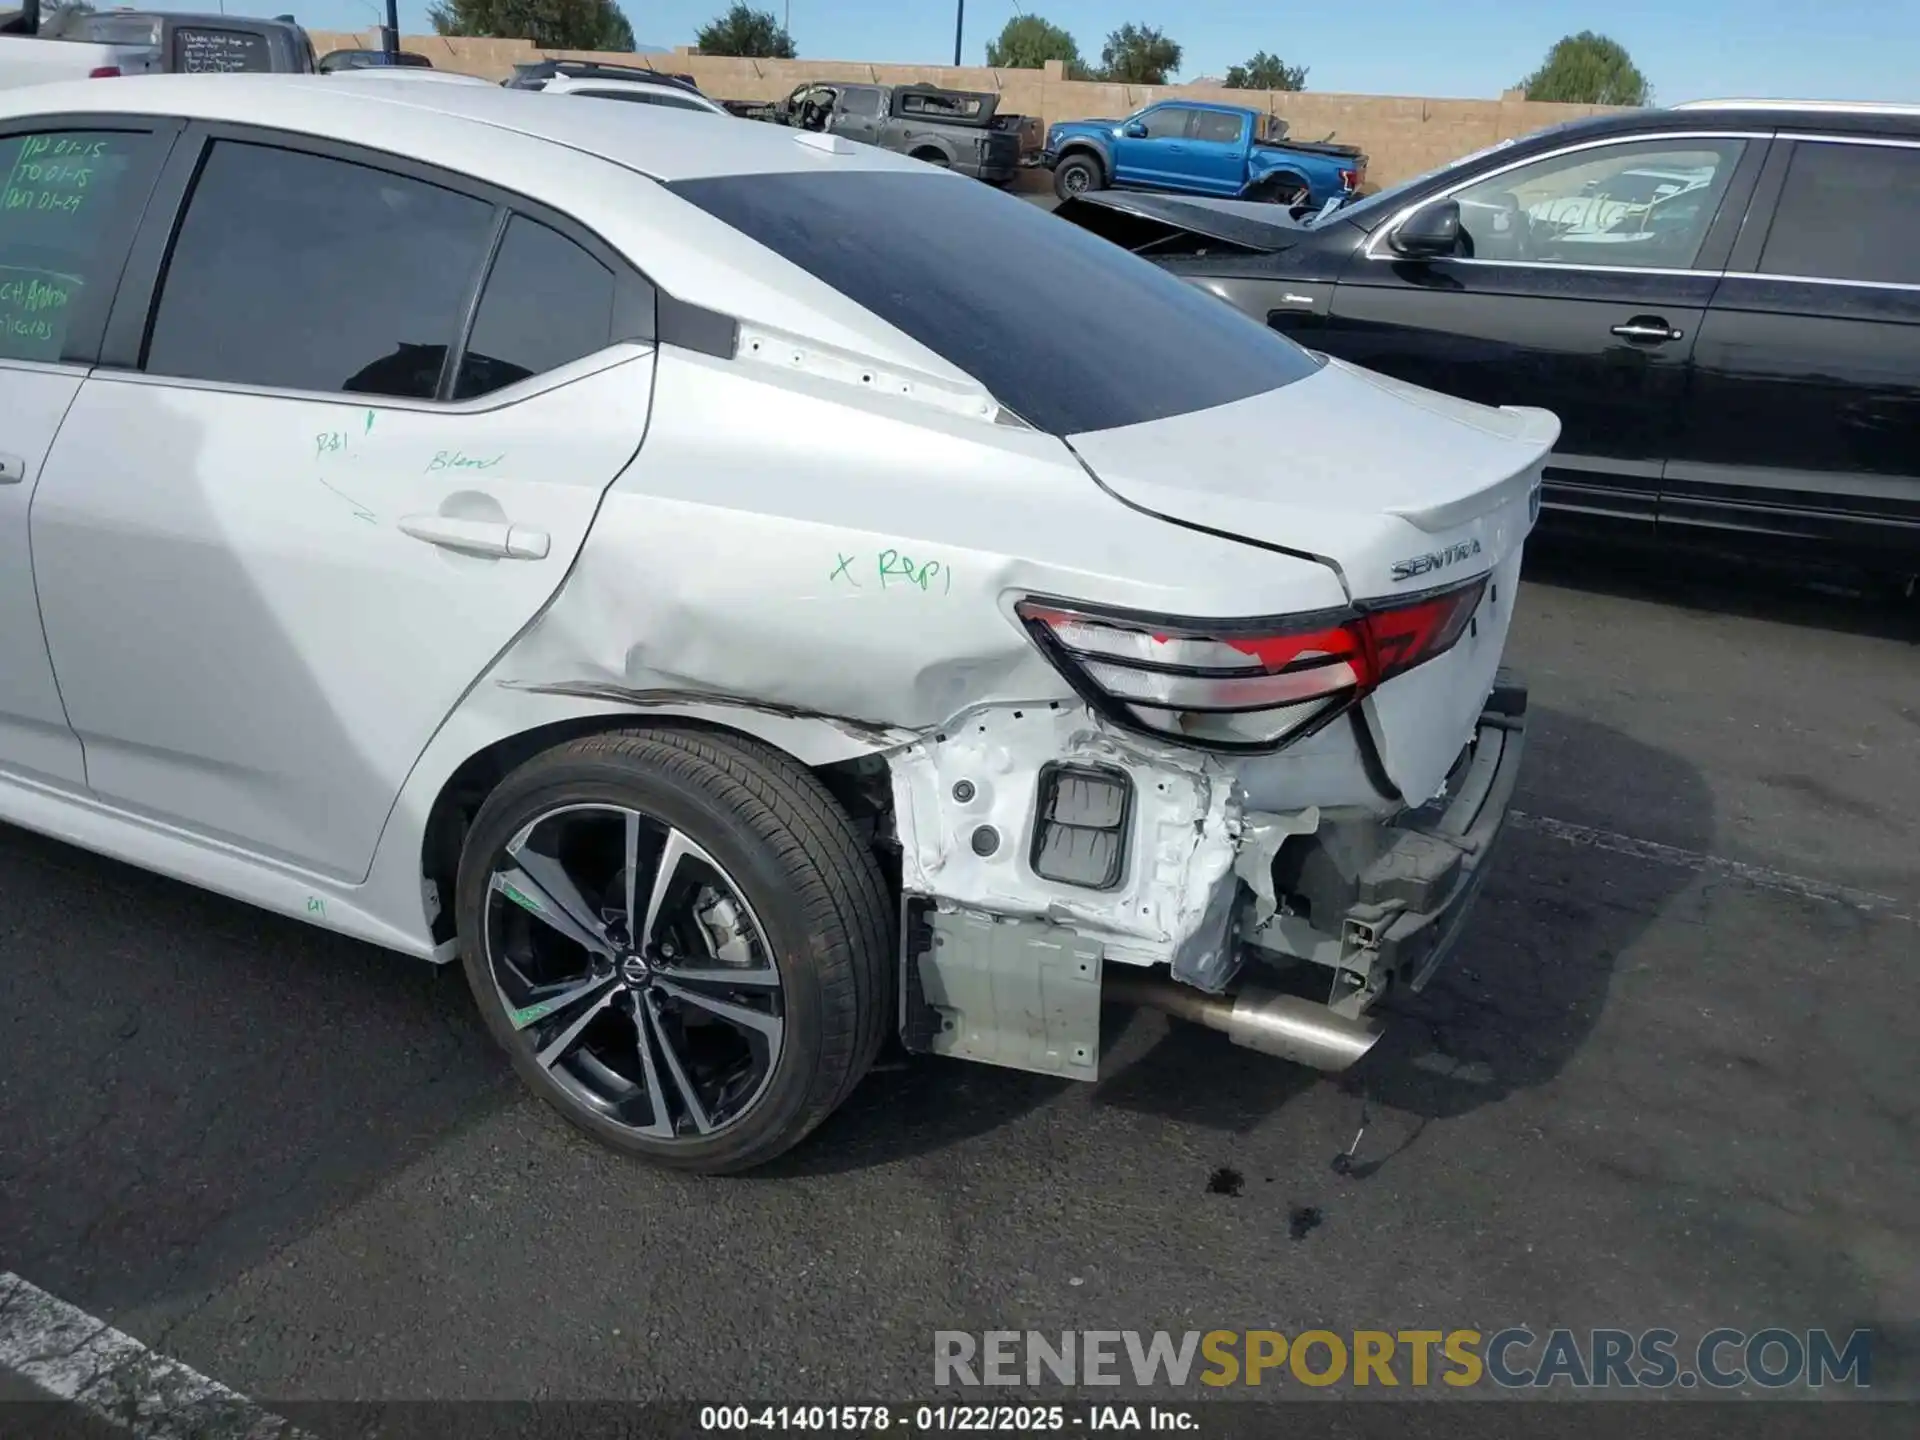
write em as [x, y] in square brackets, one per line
[523, 1018]
[523, 901]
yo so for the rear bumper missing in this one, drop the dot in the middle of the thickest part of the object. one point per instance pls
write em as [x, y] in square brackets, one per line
[1391, 919]
[1000, 966]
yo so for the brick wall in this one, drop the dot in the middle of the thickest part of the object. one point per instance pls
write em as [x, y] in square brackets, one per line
[1402, 135]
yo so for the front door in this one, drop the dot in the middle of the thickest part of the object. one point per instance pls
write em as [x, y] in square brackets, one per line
[1580, 288]
[1804, 422]
[69, 199]
[1157, 157]
[273, 559]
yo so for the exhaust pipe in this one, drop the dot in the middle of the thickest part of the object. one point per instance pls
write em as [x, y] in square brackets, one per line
[1259, 1019]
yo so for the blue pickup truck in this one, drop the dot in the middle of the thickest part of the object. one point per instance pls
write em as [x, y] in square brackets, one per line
[1198, 149]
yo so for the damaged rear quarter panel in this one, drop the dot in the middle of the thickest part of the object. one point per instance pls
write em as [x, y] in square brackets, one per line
[794, 541]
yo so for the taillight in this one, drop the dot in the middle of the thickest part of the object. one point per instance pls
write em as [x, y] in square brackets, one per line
[1349, 179]
[1244, 684]
[102, 72]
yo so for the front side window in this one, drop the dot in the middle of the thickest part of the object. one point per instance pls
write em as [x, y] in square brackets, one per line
[68, 205]
[1649, 203]
[304, 272]
[547, 303]
[1216, 126]
[1168, 122]
[1069, 331]
[1848, 212]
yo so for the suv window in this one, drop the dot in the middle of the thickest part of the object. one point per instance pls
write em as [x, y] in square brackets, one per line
[859, 102]
[1216, 126]
[643, 97]
[1645, 203]
[67, 210]
[1048, 317]
[308, 273]
[547, 302]
[1847, 212]
[1169, 122]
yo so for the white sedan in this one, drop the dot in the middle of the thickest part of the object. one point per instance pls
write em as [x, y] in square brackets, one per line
[743, 594]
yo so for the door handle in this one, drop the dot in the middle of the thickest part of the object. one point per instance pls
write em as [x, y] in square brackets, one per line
[1648, 330]
[494, 538]
[13, 470]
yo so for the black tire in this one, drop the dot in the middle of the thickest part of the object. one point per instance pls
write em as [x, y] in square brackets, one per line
[784, 846]
[1078, 174]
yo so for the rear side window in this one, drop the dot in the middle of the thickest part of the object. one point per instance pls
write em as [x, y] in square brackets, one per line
[860, 102]
[642, 97]
[547, 303]
[1848, 212]
[68, 204]
[298, 271]
[1066, 329]
[199, 50]
[1216, 126]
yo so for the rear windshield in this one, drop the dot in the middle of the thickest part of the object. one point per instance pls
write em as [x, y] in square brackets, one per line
[1067, 330]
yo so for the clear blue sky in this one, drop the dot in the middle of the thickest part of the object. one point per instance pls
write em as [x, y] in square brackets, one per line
[1688, 49]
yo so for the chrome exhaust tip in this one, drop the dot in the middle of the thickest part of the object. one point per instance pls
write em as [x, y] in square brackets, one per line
[1273, 1023]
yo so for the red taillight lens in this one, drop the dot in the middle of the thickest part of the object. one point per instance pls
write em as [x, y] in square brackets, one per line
[1349, 179]
[102, 72]
[1244, 685]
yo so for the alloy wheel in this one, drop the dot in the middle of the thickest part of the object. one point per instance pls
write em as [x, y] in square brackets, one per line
[634, 971]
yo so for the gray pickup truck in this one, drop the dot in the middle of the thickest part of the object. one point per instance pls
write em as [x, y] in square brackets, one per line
[956, 129]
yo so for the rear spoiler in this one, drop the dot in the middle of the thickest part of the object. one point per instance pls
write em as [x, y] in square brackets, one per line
[1150, 224]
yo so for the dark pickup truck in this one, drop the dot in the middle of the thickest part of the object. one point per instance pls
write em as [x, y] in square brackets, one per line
[955, 129]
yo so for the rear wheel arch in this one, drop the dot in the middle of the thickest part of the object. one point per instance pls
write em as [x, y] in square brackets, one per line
[1276, 185]
[848, 770]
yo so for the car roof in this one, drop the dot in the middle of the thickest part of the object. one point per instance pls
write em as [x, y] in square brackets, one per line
[1895, 121]
[664, 143]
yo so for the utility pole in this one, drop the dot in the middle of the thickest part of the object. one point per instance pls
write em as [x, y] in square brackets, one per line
[390, 33]
[959, 24]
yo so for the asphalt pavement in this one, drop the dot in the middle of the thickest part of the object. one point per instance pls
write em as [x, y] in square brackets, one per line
[1668, 1080]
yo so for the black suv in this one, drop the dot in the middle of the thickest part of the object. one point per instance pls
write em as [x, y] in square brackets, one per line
[1721, 301]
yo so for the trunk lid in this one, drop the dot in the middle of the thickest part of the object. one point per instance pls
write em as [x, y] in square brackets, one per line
[1399, 489]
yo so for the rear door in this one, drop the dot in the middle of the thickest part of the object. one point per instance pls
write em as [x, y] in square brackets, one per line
[1805, 418]
[342, 459]
[72, 193]
[1217, 151]
[1576, 295]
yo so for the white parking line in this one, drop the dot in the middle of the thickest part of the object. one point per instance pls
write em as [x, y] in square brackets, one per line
[115, 1378]
[1758, 875]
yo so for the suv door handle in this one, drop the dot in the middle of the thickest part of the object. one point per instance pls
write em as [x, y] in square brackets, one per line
[1648, 330]
[12, 470]
[494, 538]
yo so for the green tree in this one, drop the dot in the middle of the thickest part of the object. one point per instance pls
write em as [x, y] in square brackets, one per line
[1266, 72]
[746, 31]
[1139, 55]
[549, 24]
[1029, 42]
[1588, 69]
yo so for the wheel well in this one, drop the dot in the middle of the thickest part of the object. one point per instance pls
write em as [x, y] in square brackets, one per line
[1083, 152]
[924, 152]
[863, 787]
[1274, 179]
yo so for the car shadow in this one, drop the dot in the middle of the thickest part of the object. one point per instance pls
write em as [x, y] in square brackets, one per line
[1720, 581]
